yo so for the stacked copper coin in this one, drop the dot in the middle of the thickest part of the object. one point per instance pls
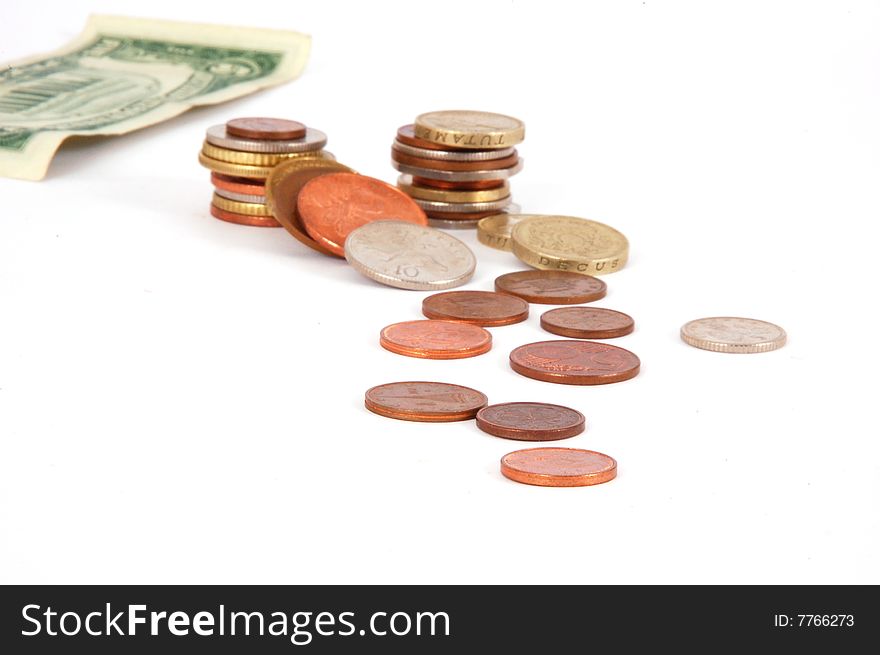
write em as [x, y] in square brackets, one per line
[242, 153]
[456, 164]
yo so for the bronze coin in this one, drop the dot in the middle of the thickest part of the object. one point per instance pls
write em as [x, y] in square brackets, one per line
[331, 206]
[475, 185]
[558, 467]
[485, 308]
[574, 362]
[552, 287]
[406, 134]
[243, 219]
[265, 129]
[243, 185]
[435, 339]
[425, 401]
[282, 190]
[442, 165]
[460, 216]
[531, 421]
[587, 322]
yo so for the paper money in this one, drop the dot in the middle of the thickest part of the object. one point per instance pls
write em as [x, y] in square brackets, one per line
[122, 74]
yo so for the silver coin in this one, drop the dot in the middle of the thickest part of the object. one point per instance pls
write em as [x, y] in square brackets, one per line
[449, 155]
[462, 207]
[409, 256]
[460, 176]
[313, 140]
[730, 334]
[240, 197]
[467, 223]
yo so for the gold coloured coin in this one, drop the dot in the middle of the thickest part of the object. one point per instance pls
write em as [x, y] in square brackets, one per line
[249, 208]
[404, 182]
[568, 243]
[479, 130]
[494, 231]
[255, 158]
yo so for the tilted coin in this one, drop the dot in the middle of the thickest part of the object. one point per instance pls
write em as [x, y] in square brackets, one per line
[587, 322]
[568, 243]
[425, 401]
[331, 206]
[437, 207]
[241, 197]
[283, 187]
[558, 467]
[452, 155]
[436, 164]
[469, 129]
[409, 256]
[250, 208]
[485, 308]
[243, 219]
[258, 158]
[460, 176]
[730, 334]
[551, 287]
[405, 184]
[531, 421]
[313, 140]
[574, 362]
[435, 339]
[238, 184]
[494, 230]
[265, 128]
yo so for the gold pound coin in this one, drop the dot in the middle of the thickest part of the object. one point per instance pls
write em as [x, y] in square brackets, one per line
[236, 207]
[477, 130]
[568, 243]
[404, 182]
[494, 231]
[255, 158]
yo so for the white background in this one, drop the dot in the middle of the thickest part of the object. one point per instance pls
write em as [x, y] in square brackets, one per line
[181, 398]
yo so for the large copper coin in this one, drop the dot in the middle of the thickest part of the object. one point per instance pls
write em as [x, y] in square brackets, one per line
[243, 219]
[552, 287]
[241, 185]
[587, 322]
[406, 134]
[531, 421]
[574, 362]
[265, 128]
[558, 467]
[476, 185]
[282, 190]
[484, 308]
[331, 206]
[440, 165]
[425, 401]
[435, 339]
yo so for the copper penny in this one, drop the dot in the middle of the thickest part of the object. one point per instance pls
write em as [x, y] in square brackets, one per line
[558, 467]
[574, 362]
[282, 190]
[406, 134]
[587, 322]
[435, 339]
[475, 185]
[331, 206]
[425, 401]
[243, 219]
[551, 287]
[270, 129]
[485, 308]
[442, 165]
[531, 421]
[242, 185]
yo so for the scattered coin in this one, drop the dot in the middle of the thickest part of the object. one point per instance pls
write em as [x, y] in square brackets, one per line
[331, 206]
[574, 362]
[425, 401]
[243, 219]
[485, 308]
[587, 322]
[729, 334]
[469, 129]
[494, 230]
[550, 287]
[409, 256]
[569, 243]
[313, 140]
[531, 421]
[265, 128]
[558, 467]
[436, 339]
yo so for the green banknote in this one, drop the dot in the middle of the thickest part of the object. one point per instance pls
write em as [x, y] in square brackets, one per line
[122, 74]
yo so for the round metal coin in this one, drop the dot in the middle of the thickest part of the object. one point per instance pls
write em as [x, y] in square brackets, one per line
[425, 401]
[730, 334]
[435, 339]
[531, 421]
[469, 129]
[313, 140]
[485, 308]
[265, 128]
[558, 467]
[574, 362]
[550, 287]
[587, 322]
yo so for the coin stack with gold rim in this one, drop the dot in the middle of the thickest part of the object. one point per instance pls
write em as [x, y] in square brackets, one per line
[456, 164]
[242, 153]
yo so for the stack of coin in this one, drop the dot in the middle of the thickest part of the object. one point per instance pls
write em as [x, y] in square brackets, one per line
[242, 153]
[456, 164]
